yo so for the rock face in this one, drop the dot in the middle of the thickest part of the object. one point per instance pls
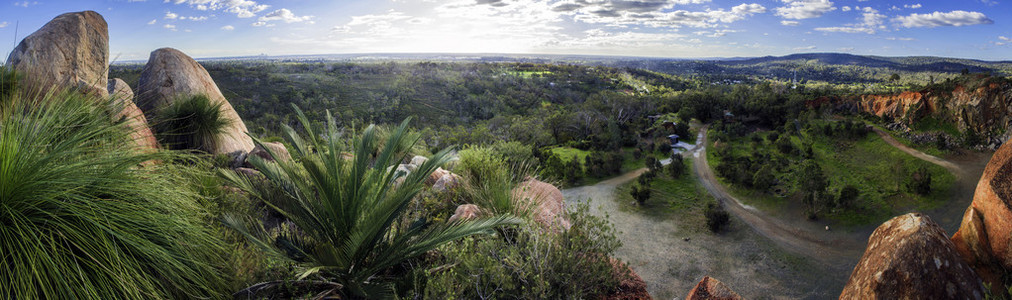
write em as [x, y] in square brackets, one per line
[71, 51]
[978, 104]
[712, 289]
[170, 75]
[984, 237]
[547, 201]
[133, 117]
[278, 149]
[910, 257]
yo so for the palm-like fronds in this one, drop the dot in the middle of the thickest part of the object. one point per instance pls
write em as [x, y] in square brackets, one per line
[348, 213]
[80, 220]
[193, 123]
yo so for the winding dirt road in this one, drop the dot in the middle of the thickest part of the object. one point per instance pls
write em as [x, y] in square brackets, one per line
[955, 169]
[827, 247]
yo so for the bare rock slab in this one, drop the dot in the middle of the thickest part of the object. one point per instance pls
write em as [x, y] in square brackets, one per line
[910, 257]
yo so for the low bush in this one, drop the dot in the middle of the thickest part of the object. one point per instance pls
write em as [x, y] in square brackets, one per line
[524, 262]
[716, 217]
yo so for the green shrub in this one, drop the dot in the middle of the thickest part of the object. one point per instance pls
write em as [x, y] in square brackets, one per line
[82, 220]
[348, 222]
[716, 217]
[523, 262]
[193, 123]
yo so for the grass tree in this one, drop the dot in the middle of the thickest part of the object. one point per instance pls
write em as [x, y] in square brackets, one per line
[191, 123]
[80, 220]
[349, 215]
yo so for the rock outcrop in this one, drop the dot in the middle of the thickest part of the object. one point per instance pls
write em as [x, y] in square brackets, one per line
[910, 257]
[171, 75]
[123, 102]
[71, 51]
[712, 289]
[978, 104]
[546, 201]
[984, 237]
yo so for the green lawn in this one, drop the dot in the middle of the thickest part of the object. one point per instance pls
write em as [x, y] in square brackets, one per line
[877, 169]
[566, 154]
[684, 197]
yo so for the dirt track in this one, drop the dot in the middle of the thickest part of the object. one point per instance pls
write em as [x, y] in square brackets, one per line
[828, 247]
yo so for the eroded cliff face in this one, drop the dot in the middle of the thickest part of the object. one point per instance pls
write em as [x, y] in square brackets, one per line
[980, 104]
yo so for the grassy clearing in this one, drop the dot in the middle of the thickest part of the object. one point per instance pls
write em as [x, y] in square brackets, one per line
[566, 154]
[878, 170]
[683, 198]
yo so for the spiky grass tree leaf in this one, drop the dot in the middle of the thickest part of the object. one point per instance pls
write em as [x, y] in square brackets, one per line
[80, 220]
[349, 210]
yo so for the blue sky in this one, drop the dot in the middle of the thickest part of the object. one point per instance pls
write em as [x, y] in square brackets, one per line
[660, 28]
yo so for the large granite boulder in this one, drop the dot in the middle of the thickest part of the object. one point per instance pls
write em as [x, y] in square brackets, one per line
[910, 257]
[984, 237]
[712, 289]
[171, 75]
[546, 200]
[71, 51]
[123, 103]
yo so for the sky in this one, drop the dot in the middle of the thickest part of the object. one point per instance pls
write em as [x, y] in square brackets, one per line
[978, 29]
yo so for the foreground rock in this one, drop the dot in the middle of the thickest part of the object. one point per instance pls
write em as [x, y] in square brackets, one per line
[123, 102]
[712, 289]
[71, 51]
[278, 148]
[984, 237]
[465, 212]
[545, 199]
[631, 286]
[910, 257]
[171, 75]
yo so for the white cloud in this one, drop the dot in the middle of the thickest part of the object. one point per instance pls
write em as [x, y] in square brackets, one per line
[912, 6]
[200, 18]
[3, 24]
[1000, 37]
[282, 15]
[227, 28]
[241, 8]
[152, 22]
[804, 9]
[905, 39]
[789, 23]
[170, 27]
[171, 16]
[844, 29]
[805, 48]
[936, 19]
[845, 8]
[871, 17]
[25, 3]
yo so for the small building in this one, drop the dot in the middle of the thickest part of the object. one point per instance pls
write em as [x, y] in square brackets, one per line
[673, 138]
